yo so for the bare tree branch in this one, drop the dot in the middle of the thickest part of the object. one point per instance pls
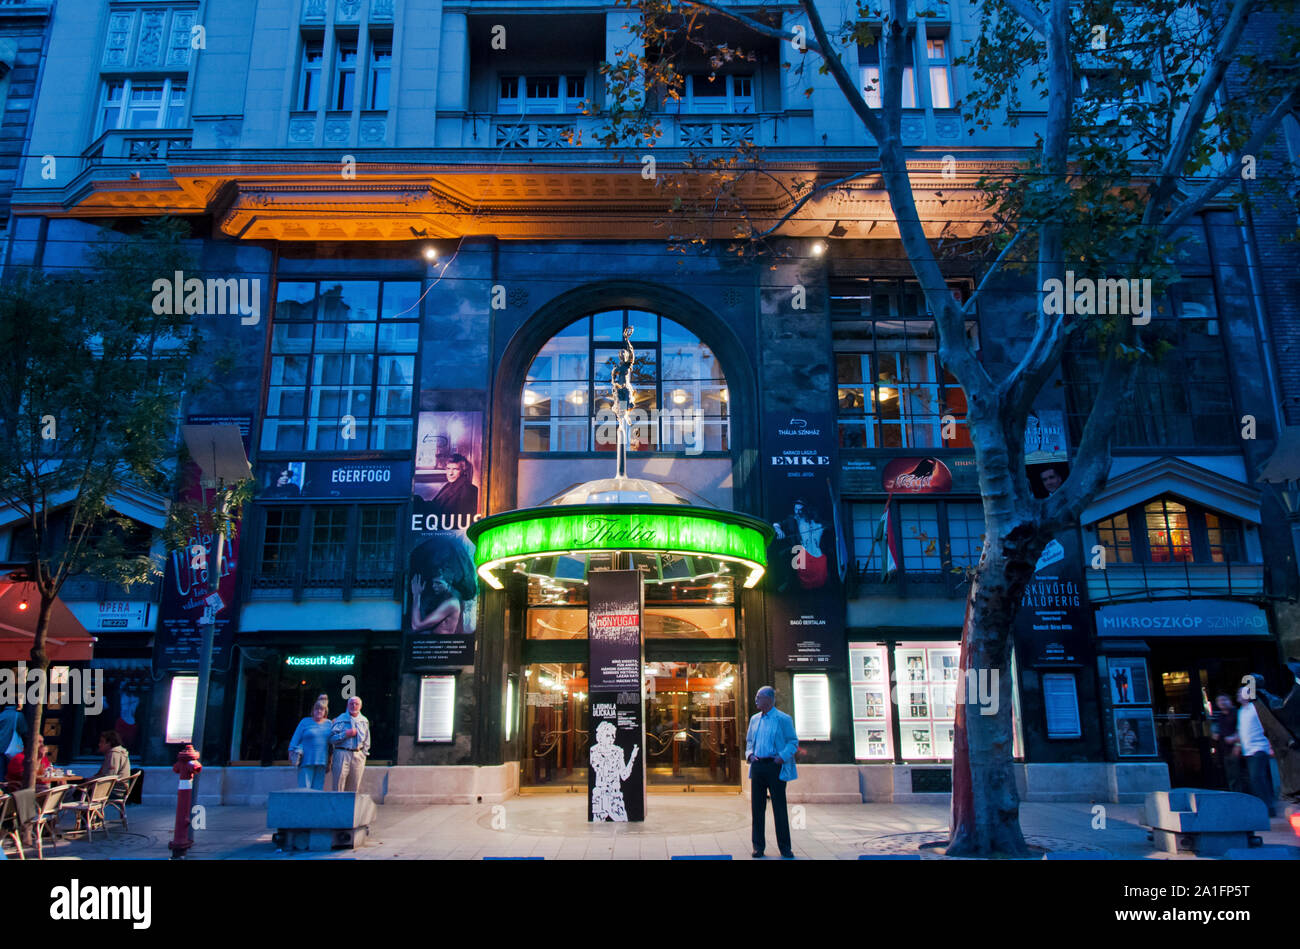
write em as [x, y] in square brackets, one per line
[1092, 459]
[758, 26]
[1267, 126]
[969, 308]
[1030, 14]
[1167, 181]
[954, 346]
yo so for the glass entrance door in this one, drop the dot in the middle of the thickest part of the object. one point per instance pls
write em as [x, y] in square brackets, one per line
[691, 725]
[554, 734]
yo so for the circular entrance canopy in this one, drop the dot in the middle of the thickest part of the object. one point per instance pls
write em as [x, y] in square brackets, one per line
[603, 522]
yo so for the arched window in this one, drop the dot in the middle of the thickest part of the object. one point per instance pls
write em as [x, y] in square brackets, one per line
[681, 400]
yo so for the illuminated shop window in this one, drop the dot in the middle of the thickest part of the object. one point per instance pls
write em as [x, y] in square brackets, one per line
[1172, 532]
[680, 402]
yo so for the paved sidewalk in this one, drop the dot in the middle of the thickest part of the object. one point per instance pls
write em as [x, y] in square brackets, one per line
[553, 826]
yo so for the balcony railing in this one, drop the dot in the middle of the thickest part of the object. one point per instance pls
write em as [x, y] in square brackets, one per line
[324, 581]
[130, 146]
[677, 131]
[1141, 581]
[944, 585]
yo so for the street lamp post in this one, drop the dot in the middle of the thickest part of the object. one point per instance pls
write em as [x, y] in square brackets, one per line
[218, 450]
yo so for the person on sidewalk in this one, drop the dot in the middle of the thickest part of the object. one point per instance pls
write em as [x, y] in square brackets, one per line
[770, 747]
[309, 746]
[13, 732]
[1255, 749]
[351, 739]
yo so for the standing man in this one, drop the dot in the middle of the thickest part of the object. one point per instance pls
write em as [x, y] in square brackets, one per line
[1255, 749]
[351, 739]
[770, 747]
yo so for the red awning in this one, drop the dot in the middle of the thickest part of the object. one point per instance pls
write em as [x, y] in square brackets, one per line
[66, 641]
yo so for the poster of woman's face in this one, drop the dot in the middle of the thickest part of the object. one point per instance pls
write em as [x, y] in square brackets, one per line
[1128, 681]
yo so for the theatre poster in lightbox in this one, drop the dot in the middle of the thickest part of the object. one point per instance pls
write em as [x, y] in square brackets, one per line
[805, 559]
[442, 598]
[616, 746]
[183, 605]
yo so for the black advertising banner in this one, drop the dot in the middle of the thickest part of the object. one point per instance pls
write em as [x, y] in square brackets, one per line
[616, 776]
[1050, 621]
[442, 597]
[614, 631]
[184, 604]
[329, 480]
[804, 579]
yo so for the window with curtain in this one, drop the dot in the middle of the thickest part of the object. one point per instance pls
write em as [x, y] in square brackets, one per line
[871, 76]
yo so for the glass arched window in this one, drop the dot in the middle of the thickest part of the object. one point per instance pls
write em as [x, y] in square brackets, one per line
[681, 400]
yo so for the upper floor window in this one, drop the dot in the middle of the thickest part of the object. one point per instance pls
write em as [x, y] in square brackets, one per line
[893, 390]
[704, 93]
[869, 60]
[544, 94]
[381, 69]
[345, 76]
[1168, 530]
[151, 37]
[309, 81]
[342, 363]
[1115, 95]
[938, 60]
[1182, 396]
[325, 548]
[916, 538]
[680, 401]
[142, 104]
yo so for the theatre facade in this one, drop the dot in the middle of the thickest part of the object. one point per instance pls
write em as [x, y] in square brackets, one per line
[447, 288]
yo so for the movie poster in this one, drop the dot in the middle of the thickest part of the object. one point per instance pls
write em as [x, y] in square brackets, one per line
[1050, 625]
[441, 614]
[178, 642]
[616, 750]
[804, 562]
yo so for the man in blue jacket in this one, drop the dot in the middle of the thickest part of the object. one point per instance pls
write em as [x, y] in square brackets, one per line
[770, 747]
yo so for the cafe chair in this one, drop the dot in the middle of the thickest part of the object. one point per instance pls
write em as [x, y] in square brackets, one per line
[48, 803]
[9, 829]
[122, 791]
[91, 806]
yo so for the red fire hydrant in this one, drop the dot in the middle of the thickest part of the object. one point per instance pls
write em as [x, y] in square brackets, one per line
[187, 765]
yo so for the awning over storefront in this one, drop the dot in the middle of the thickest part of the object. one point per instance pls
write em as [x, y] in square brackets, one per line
[66, 641]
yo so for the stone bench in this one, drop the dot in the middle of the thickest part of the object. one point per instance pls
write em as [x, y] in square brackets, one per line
[319, 820]
[1209, 823]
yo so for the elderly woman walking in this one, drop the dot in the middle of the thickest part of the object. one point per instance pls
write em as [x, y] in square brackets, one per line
[309, 746]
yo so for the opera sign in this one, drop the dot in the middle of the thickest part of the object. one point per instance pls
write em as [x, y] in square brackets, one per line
[916, 476]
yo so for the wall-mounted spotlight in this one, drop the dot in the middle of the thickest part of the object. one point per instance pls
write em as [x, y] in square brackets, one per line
[430, 253]
[818, 248]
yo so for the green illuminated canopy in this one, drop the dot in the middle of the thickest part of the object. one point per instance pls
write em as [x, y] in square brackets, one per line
[593, 528]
